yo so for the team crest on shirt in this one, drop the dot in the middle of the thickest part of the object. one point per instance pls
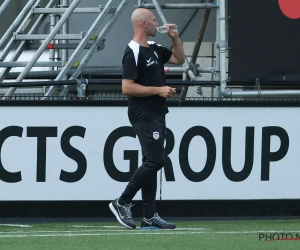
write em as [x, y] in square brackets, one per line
[155, 135]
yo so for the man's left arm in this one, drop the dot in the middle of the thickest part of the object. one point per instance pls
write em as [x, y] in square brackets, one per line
[178, 56]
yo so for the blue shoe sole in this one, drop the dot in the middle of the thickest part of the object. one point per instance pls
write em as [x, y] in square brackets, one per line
[149, 228]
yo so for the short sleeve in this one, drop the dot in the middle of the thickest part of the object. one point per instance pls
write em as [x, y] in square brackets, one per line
[166, 54]
[130, 70]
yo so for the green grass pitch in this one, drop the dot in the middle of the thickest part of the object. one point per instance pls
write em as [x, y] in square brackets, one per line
[194, 234]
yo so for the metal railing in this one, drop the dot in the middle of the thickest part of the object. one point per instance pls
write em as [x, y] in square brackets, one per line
[83, 89]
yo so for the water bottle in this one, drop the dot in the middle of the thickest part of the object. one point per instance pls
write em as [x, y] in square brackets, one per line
[164, 29]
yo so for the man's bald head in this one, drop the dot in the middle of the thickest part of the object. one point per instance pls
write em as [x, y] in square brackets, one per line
[139, 15]
[144, 23]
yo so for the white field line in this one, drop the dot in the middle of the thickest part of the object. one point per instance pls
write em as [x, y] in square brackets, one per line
[98, 226]
[99, 230]
[124, 232]
[14, 225]
[83, 226]
[96, 234]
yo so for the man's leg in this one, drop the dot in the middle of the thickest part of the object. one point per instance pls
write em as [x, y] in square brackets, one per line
[151, 220]
[149, 189]
[150, 134]
[148, 197]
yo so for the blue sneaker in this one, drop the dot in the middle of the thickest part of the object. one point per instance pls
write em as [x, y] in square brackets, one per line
[155, 223]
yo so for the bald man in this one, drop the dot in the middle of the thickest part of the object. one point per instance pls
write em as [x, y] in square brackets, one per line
[144, 82]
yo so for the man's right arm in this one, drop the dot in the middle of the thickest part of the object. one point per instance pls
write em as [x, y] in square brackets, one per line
[129, 87]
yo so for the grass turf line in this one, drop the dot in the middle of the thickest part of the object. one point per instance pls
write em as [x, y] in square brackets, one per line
[235, 234]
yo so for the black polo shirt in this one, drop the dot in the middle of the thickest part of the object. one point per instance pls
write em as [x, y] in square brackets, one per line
[145, 65]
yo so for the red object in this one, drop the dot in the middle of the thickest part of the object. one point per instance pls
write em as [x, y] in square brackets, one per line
[290, 8]
[166, 69]
[50, 46]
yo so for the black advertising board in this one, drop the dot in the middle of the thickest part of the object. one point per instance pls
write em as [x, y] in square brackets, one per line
[264, 41]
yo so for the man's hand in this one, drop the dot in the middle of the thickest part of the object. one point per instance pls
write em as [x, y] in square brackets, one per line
[129, 87]
[166, 91]
[173, 31]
